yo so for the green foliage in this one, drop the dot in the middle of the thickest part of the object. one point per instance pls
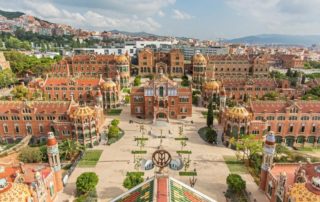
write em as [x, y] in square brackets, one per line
[30, 155]
[21, 63]
[91, 196]
[69, 149]
[210, 115]
[271, 96]
[20, 92]
[185, 82]
[278, 75]
[230, 102]
[235, 165]
[132, 180]
[90, 158]
[248, 145]
[313, 94]
[211, 136]
[87, 182]
[7, 77]
[137, 81]
[235, 183]
[113, 131]
[115, 122]
[11, 15]
[14, 43]
[43, 150]
[312, 65]
[127, 99]
[114, 111]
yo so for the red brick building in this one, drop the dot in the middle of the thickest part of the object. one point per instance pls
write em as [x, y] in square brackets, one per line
[291, 61]
[220, 67]
[161, 98]
[295, 123]
[152, 63]
[89, 90]
[109, 66]
[288, 181]
[66, 119]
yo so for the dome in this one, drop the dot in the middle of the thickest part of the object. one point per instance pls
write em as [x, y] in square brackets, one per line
[122, 59]
[17, 192]
[51, 139]
[212, 85]
[82, 112]
[270, 138]
[199, 58]
[238, 112]
[108, 84]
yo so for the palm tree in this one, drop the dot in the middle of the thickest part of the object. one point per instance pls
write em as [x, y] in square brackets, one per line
[69, 149]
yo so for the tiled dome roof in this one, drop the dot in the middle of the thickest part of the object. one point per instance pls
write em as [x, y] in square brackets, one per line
[108, 84]
[82, 112]
[199, 58]
[17, 192]
[212, 85]
[122, 59]
[238, 112]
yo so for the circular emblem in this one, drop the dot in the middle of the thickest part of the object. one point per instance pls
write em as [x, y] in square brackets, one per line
[161, 158]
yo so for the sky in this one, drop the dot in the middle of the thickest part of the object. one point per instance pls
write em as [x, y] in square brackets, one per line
[203, 19]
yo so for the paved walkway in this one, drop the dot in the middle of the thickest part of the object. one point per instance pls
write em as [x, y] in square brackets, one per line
[116, 160]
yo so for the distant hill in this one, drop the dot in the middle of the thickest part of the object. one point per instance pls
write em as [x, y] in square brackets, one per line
[141, 34]
[11, 15]
[304, 40]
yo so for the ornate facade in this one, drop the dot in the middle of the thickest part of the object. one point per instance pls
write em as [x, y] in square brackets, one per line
[89, 90]
[161, 98]
[109, 66]
[295, 123]
[152, 63]
[37, 118]
[32, 182]
[227, 66]
[288, 182]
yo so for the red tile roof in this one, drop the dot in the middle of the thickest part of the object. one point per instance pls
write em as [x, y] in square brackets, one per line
[162, 191]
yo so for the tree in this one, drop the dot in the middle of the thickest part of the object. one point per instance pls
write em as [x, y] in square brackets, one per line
[69, 149]
[289, 73]
[210, 115]
[235, 183]
[211, 136]
[43, 150]
[132, 180]
[273, 95]
[113, 131]
[185, 82]
[137, 81]
[248, 145]
[7, 77]
[20, 92]
[30, 155]
[115, 122]
[87, 182]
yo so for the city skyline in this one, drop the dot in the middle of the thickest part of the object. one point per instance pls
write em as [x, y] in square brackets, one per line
[210, 19]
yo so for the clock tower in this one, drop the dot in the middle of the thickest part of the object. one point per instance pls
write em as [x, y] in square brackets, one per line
[54, 160]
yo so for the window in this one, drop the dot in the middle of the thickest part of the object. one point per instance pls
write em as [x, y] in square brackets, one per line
[293, 118]
[16, 128]
[279, 128]
[259, 118]
[255, 132]
[183, 110]
[305, 118]
[269, 191]
[138, 99]
[270, 118]
[313, 129]
[302, 128]
[5, 128]
[281, 118]
[172, 102]
[172, 113]
[290, 128]
[41, 130]
[161, 91]
[184, 99]
[294, 110]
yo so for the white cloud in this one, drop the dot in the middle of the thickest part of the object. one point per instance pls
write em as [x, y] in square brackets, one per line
[161, 13]
[97, 18]
[180, 15]
[281, 16]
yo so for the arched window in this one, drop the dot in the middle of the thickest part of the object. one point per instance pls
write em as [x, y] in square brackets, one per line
[161, 91]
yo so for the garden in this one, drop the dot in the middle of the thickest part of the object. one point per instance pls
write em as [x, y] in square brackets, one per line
[114, 132]
[90, 158]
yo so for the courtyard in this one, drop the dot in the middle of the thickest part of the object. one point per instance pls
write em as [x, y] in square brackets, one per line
[116, 160]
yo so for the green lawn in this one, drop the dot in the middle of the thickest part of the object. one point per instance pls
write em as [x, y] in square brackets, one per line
[90, 158]
[234, 165]
[309, 149]
[114, 112]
